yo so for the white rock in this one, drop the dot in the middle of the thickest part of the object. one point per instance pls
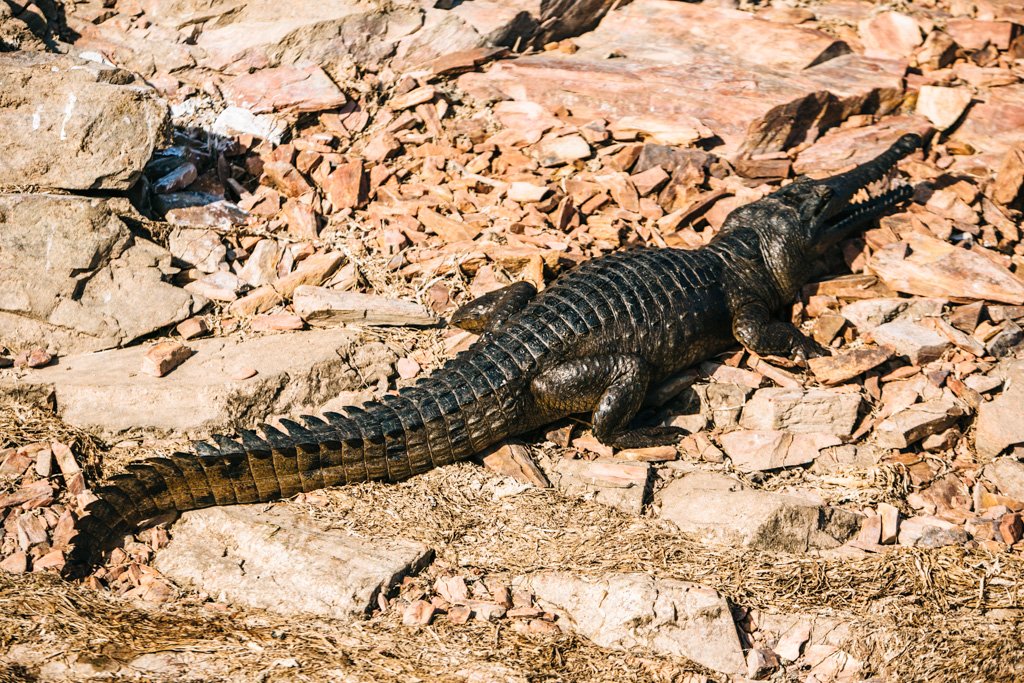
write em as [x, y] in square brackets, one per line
[796, 410]
[236, 120]
[526, 192]
[283, 561]
[298, 371]
[720, 509]
[630, 611]
[942, 106]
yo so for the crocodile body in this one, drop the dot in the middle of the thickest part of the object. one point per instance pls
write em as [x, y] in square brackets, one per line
[594, 341]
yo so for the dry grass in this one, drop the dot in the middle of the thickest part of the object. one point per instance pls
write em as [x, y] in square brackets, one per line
[920, 614]
[51, 618]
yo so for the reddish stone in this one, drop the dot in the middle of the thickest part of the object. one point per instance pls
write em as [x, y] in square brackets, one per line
[301, 219]
[33, 358]
[191, 328]
[276, 322]
[973, 34]
[890, 35]
[286, 178]
[163, 357]
[1011, 529]
[346, 186]
[285, 89]
[418, 613]
[757, 85]
[995, 124]
[842, 148]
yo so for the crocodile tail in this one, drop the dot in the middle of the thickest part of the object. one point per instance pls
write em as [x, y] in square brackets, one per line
[432, 424]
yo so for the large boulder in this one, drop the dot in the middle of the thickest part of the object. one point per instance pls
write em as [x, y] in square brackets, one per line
[630, 611]
[720, 509]
[757, 85]
[75, 125]
[226, 383]
[75, 279]
[238, 36]
[285, 562]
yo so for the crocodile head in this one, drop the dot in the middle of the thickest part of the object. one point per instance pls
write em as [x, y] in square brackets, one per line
[827, 209]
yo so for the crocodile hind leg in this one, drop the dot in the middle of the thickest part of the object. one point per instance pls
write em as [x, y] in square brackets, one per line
[490, 311]
[754, 327]
[613, 386]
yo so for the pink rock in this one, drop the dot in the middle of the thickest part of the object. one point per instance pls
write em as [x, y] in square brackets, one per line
[407, 368]
[163, 357]
[284, 89]
[927, 266]
[841, 148]
[942, 106]
[191, 328]
[890, 35]
[244, 372]
[741, 77]
[973, 34]
[995, 124]
[418, 613]
[275, 322]
[346, 186]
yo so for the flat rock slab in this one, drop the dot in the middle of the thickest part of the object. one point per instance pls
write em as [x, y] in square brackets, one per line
[106, 392]
[720, 509]
[926, 266]
[757, 450]
[76, 125]
[244, 36]
[996, 124]
[620, 484]
[759, 86]
[795, 410]
[629, 611]
[284, 562]
[843, 148]
[920, 420]
[235, 34]
[322, 306]
[75, 279]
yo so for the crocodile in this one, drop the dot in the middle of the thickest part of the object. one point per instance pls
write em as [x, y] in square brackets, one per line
[594, 341]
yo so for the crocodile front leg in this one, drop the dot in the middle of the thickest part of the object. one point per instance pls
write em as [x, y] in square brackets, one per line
[753, 326]
[490, 311]
[613, 386]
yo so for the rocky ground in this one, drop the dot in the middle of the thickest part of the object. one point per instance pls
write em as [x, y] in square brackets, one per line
[215, 214]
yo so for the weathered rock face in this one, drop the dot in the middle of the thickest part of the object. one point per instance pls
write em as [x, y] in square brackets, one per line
[698, 66]
[616, 483]
[627, 611]
[816, 410]
[842, 148]
[75, 125]
[282, 561]
[996, 124]
[236, 36]
[244, 34]
[15, 34]
[74, 276]
[106, 393]
[720, 509]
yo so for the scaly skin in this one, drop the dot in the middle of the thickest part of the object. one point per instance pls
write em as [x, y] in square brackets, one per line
[592, 342]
